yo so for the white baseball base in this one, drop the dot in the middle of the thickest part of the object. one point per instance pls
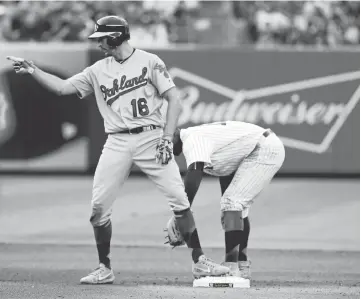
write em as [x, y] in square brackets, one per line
[222, 282]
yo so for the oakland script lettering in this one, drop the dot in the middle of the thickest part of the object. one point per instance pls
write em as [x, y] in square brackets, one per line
[124, 84]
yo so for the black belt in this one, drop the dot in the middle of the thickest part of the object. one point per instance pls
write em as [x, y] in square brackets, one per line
[137, 130]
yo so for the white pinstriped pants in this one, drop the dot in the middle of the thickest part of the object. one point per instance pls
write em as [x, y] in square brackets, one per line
[253, 174]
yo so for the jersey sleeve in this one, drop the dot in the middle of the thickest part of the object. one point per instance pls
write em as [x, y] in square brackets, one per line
[82, 82]
[197, 149]
[160, 76]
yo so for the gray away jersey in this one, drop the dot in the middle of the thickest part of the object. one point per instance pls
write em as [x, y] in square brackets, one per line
[221, 146]
[128, 94]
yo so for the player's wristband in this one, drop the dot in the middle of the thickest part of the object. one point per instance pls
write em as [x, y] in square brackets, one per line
[166, 136]
[31, 70]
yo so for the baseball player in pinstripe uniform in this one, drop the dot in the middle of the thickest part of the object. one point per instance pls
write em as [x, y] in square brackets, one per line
[245, 157]
[130, 86]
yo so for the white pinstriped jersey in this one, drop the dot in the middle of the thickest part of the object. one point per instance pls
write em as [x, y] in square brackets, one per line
[128, 94]
[221, 146]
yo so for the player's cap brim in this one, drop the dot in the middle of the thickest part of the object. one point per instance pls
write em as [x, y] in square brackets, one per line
[100, 34]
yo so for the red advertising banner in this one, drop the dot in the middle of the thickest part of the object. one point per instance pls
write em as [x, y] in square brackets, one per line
[309, 98]
[40, 131]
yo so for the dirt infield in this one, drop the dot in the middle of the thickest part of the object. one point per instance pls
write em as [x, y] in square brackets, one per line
[53, 271]
[304, 240]
[289, 214]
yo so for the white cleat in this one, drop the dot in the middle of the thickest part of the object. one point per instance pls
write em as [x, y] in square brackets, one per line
[101, 275]
[245, 268]
[233, 269]
[207, 267]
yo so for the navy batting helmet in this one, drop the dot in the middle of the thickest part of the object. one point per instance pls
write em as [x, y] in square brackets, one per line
[115, 28]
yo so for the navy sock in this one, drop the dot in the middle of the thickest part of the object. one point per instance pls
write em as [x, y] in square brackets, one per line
[244, 240]
[103, 235]
[196, 246]
[232, 239]
[103, 253]
[187, 228]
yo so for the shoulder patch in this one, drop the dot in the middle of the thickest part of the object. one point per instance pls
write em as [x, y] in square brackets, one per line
[161, 69]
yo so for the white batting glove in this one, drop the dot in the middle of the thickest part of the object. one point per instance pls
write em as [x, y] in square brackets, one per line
[164, 151]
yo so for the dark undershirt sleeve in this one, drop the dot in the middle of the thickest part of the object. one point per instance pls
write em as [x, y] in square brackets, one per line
[193, 180]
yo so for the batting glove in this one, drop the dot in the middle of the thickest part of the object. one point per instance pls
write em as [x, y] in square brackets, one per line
[164, 151]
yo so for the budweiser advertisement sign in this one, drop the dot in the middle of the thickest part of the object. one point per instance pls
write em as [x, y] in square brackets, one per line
[287, 106]
[310, 99]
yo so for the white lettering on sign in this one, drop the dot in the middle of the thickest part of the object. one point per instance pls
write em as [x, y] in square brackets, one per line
[296, 111]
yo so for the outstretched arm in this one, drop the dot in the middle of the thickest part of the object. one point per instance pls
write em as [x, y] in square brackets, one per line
[49, 81]
[53, 83]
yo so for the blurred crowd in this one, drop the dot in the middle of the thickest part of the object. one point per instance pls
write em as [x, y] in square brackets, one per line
[159, 23]
[329, 23]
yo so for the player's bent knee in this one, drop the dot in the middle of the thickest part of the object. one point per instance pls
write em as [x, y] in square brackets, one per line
[98, 217]
[230, 204]
[181, 213]
[96, 220]
[232, 220]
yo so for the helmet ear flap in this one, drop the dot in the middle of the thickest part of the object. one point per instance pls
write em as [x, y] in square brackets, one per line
[117, 38]
[114, 40]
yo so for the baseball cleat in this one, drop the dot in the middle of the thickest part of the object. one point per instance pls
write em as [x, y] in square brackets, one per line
[101, 275]
[207, 267]
[245, 269]
[233, 269]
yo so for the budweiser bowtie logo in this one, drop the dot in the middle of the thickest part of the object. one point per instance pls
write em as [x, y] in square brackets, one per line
[323, 103]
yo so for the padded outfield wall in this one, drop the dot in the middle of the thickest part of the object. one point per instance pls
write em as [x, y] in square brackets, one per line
[309, 98]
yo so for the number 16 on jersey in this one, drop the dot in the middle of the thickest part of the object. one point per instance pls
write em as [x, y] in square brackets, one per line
[139, 107]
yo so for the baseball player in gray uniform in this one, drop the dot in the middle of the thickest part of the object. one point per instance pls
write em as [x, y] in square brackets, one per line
[245, 157]
[130, 86]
